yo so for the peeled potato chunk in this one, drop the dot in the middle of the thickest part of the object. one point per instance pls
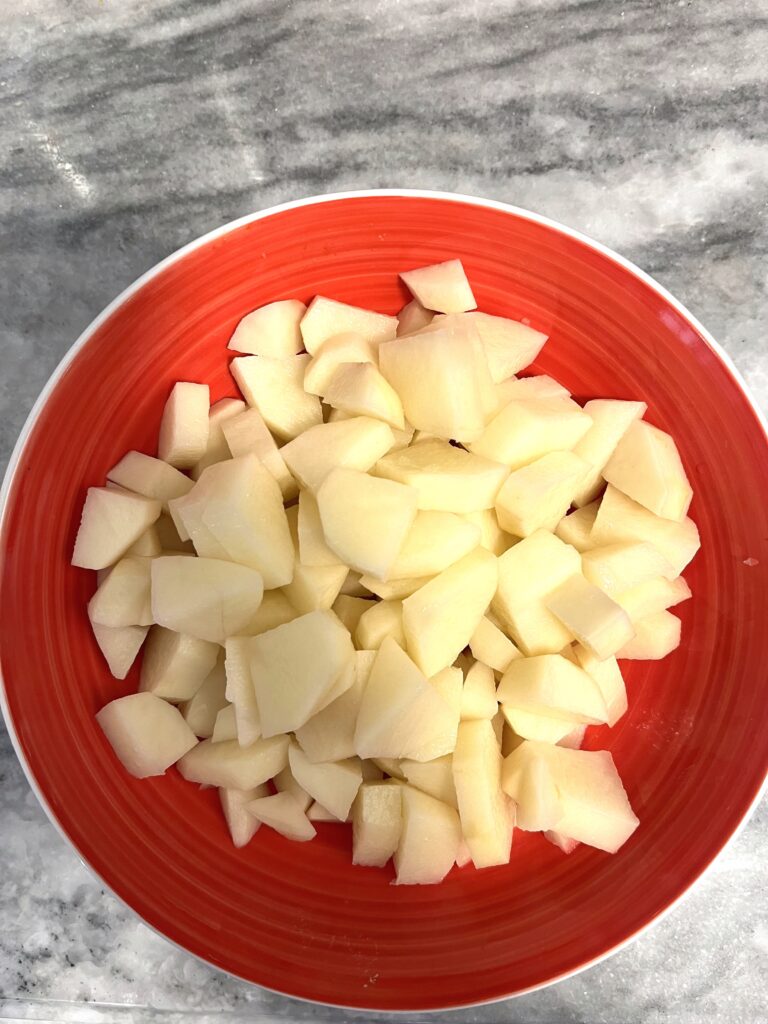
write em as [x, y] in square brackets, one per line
[201, 710]
[217, 449]
[326, 318]
[357, 443]
[184, 426]
[524, 430]
[647, 467]
[119, 645]
[376, 823]
[111, 522]
[576, 527]
[284, 814]
[656, 636]
[271, 330]
[551, 685]
[246, 434]
[175, 666]
[598, 623]
[359, 389]
[342, 348]
[509, 345]
[429, 839]
[147, 734]
[412, 317]
[230, 766]
[478, 698]
[611, 419]
[442, 287]
[333, 784]
[487, 816]
[242, 825]
[538, 495]
[275, 388]
[122, 599]
[148, 476]
[490, 645]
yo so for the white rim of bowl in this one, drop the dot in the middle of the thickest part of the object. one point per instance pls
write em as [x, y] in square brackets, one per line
[225, 229]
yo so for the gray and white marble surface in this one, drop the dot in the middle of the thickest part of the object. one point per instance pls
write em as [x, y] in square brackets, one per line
[129, 127]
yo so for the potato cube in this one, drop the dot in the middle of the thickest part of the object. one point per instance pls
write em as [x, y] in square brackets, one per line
[617, 567]
[492, 537]
[381, 620]
[175, 666]
[528, 778]
[147, 734]
[148, 545]
[524, 430]
[359, 389]
[151, 477]
[282, 813]
[241, 823]
[230, 766]
[656, 636]
[356, 443]
[515, 388]
[313, 587]
[184, 426]
[247, 434]
[275, 610]
[509, 345]
[435, 541]
[653, 596]
[597, 622]
[429, 839]
[119, 645]
[122, 599]
[343, 348]
[611, 419]
[434, 777]
[539, 494]
[112, 520]
[442, 287]
[478, 698]
[312, 547]
[489, 645]
[329, 735]
[332, 784]
[529, 725]
[376, 823]
[225, 726]
[647, 467]
[487, 816]
[276, 388]
[576, 527]
[607, 675]
[271, 330]
[217, 449]
[449, 683]
[412, 317]
[200, 711]
[350, 610]
[551, 685]
[240, 690]
[326, 318]
[284, 782]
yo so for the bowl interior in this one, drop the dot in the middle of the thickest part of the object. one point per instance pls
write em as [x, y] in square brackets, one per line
[299, 918]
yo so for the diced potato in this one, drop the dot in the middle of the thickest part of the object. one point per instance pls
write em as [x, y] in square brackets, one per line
[184, 426]
[446, 478]
[147, 734]
[313, 587]
[621, 519]
[617, 567]
[433, 777]
[119, 645]
[611, 419]
[647, 467]
[529, 779]
[440, 618]
[225, 726]
[217, 449]
[200, 711]
[329, 735]
[607, 675]
[356, 443]
[240, 690]
[187, 515]
[443, 287]
[230, 766]
[449, 683]
[275, 610]
[526, 429]
[529, 725]
[576, 528]
[282, 813]
[332, 784]
[656, 636]
[489, 645]
[312, 547]
[294, 666]
[275, 388]
[509, 345]
[401, 713]
[175, 666]
[393, 590]
[284, 782]
[412, 317]
[376, 823]
[435, 541]
[528, 573]
[271, 330]
[343, 348]
[365, 519]
[487, 816]
[247, 434]
[443, 381]
[429, 839]
[478, 698]
[122, 599]
[515, 388]
[317, 812]
[359, 389]
[551, 685]
[492, 537]
[382, 619]
[204, 597]
[151, 477]
[111, 522]
[653, 596]
[241, 823]
[539, 494]
[325, 318]
[148, 545]
[597, 622]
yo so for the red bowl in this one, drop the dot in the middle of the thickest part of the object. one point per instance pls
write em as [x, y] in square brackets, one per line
[300, 919]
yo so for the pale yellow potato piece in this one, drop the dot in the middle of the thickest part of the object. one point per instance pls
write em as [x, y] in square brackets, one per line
[433, 777]
[225, 726]
[282, 813]
[329, 735]
[247, 434]
[184, 426]
[343, 348]
[491, 646]
[442, 287]
[284, 782]
[393, 590]
[656, 636]
[365, 519]
[123, 598]
[478, 697]
[509, 345]
[412, 317]
[241, 823]
[516, 388]
[356, 443]
[148, 545]
[449, 683]
[653, 596]
[429, 839]
[598, 623]
[611, 419]
[230, 766]
[275, 610]
[276, 388]
[334, 784]
[151, 477]
[530, 725]
[647, 467]
[240, 690]
[271, 330]
[446, 478]
[326, 318]
[381, 620]
[119, 645]
[615, 568]
[435, 541]
[402, 714]
[528, 778]
[313, 549]
[607, 674]
[317, 812]
[538, 495]
[200, 711]
[350, 609]
[360, 390]
[551, 685]
[217, 449]
[313, 587]
[147, 734]
[528, 573]
[376, 823]
[576, 527]
[112, 520]
[492, 537]
[619, 518]
[440, 618]
[487, 816]
[526, 429]
[175, 666]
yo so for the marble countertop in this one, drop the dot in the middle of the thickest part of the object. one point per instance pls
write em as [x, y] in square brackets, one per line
[129, 128]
